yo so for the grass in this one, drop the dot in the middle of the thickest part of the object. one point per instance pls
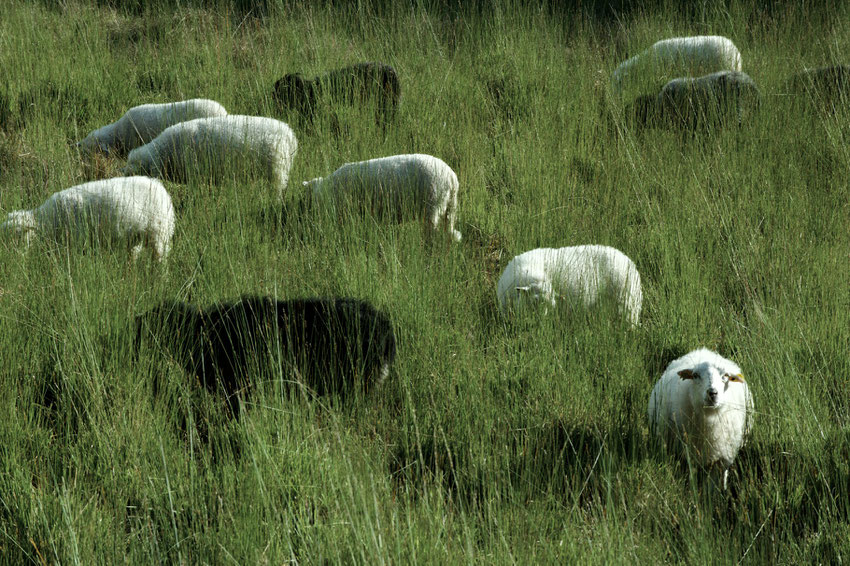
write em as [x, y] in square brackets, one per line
[492, 442]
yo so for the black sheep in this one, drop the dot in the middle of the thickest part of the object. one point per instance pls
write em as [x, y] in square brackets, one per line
[331, 344]
[362, 81]
[828, 86]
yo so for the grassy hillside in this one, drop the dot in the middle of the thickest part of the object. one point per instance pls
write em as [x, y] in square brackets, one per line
[493, 442]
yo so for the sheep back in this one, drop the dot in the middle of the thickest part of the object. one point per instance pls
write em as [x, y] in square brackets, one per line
[583, 274]
[358, 82]
[395, 188]
[214, 148]
[141, 124]
[133, 211]
[331, 345]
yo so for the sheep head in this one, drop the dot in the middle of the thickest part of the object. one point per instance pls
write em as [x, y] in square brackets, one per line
[93, 143]
[711, 384]
[172, 320]
[295, 92]
[536, 292]
[131, 169]
[313, 188]
[20, 224]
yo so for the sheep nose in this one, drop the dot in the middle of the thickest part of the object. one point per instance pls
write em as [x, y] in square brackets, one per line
[712, 394]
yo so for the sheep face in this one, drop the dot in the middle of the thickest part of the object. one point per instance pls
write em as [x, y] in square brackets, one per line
[19, 221]
[176, 327]
[537, 293]
[295, 92]
[177, 317]
[92, 144]
[86, 145]
[103, 147]
[710, 385]
[134, 168]
[312, 184]
[147, 162]
[20, 224]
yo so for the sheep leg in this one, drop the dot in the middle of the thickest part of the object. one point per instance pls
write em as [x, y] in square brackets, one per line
[432, 215]
[282, 177]
[136, 251]
[159, 250]
[384, 373]
[451, 214]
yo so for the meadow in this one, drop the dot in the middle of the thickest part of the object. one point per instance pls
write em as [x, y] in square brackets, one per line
[493, 441]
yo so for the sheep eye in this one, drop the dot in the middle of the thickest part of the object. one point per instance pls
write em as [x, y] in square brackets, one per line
[688, 374]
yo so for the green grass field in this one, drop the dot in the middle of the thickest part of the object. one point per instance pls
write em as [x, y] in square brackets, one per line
[491, 442]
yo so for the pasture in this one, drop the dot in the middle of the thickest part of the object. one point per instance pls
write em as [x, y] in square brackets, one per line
[492, 440]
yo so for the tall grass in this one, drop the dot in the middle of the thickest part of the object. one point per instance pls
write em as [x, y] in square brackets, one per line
[493, 442]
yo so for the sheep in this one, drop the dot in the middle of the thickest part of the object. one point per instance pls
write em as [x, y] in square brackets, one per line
[356, 82]
[675, 57]
[828, 86]
[217, 146]
[330, 344]
[140, 124]
[585, 274]
[690, 103]
[397, 187]
[132, 211]
[702, 401]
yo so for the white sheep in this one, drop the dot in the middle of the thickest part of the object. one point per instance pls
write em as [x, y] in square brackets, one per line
[141, 124]
[703, 401]
[585, 274]
[131, 211]
[675, 57]
[399, 186]
[216, 147]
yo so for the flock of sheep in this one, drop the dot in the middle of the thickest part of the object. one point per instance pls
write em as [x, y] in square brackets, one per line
[701, 400]
[709, 87]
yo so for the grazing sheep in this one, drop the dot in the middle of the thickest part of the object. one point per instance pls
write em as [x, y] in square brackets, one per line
[141, 124]
[215, 147]
[396, 187]
[703, 401]
[702, 102]
[828, 86]
[361, 81]
[675, 57]
[131, 211]
[584, 274]
[330, 344]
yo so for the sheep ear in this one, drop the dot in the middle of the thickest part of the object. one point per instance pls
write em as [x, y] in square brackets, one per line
[737, 378]
[687, 374]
